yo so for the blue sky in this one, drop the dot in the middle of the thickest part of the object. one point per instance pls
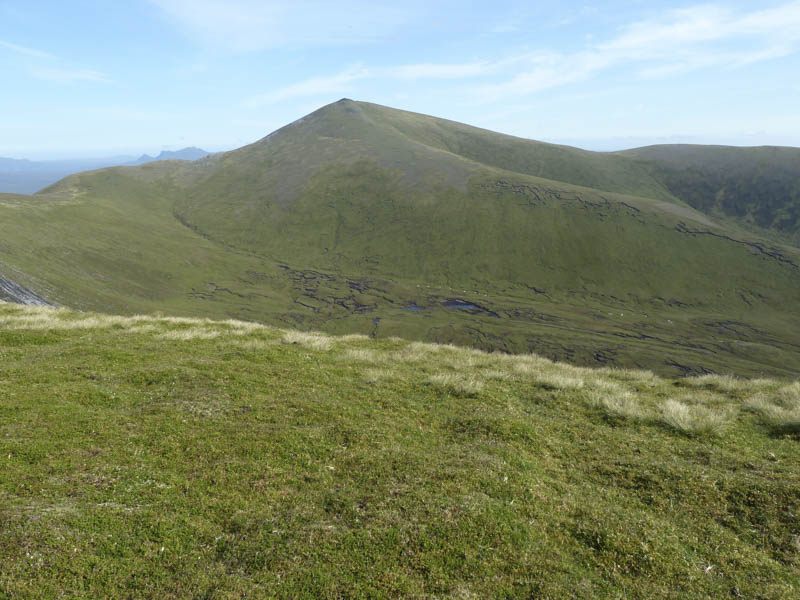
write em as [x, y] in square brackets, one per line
[94, 78]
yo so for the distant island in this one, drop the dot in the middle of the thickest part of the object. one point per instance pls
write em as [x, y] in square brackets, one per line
[191, 153]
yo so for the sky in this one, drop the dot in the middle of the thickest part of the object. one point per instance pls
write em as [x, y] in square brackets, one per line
[98, 78]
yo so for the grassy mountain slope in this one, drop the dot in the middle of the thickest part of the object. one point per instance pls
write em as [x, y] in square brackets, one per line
[363, 219]
[757, 188]
[190, 458]
[602, 171]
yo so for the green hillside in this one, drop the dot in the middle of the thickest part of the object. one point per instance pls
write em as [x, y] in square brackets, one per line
[187, 458]
[364, 219]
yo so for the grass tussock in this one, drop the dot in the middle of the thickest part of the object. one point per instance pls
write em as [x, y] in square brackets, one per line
[457, 383]
[779, 410]
[560, 381]
[255, 344]
[377, 375]
[721, 383]
[361, 355]
[312, 340]
[695, 419]
[192, 333]
[620, 404]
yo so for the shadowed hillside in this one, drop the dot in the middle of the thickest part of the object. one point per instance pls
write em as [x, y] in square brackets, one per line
[756, 188]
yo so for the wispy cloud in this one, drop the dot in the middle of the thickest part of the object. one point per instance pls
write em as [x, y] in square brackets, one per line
[24, 50]
[249, 25]
[705, 36]
[437, 71]
[316, 86]
[679, 41]
[345, 81]
[60, 75]
[48, 67]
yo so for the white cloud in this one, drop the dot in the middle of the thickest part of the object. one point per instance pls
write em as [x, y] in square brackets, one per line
[59, 75]
[682, 40]
[24, 50]
[343, 82]
[702, 37]
[438, 71]
[47, 67]
[316, 86]
[250, 25]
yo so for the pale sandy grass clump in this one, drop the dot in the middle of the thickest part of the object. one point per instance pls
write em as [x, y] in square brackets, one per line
[780, 409]
[312, 339]
[415, 352]
[145, 328]
[696, 419]
[44, 318]
[457, 382]
[560, 381]
[353, 337]
[254, 344]
[192, 333]
[722, 383]
[242, 327]
[617, 402]
[625, 405]
[379, 374]
[496, 374]
[183, 321]
[361, 355]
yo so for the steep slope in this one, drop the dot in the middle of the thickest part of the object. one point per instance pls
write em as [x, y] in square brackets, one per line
[359, 218]
[756, 188]
[599, 170]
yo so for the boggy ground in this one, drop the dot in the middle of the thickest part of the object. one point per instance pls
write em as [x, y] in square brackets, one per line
[169, 457]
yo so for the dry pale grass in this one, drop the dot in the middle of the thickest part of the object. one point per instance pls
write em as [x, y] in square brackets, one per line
[353, 337]
[45, 318]
[414, 352]
[722, 383]
[695, 419]
[361, 355]
[496, 374]
[146, 328]
[457, 382]
[560, 381]
[242, 327]
[620, 404]
[630, 375]
[779, 410]
[183, 320]
[312, 340]
[192, 333]
[376, 375]
[256, 344]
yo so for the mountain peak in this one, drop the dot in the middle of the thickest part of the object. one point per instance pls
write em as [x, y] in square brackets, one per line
[189, 153]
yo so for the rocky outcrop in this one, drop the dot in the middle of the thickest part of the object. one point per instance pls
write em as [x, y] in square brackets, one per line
[13, 292]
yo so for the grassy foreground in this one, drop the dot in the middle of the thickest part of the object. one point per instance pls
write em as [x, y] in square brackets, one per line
[173, 458]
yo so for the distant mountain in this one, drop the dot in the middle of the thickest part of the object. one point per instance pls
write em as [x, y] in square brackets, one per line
[360, 218]
[191, 153]
[22, 176]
